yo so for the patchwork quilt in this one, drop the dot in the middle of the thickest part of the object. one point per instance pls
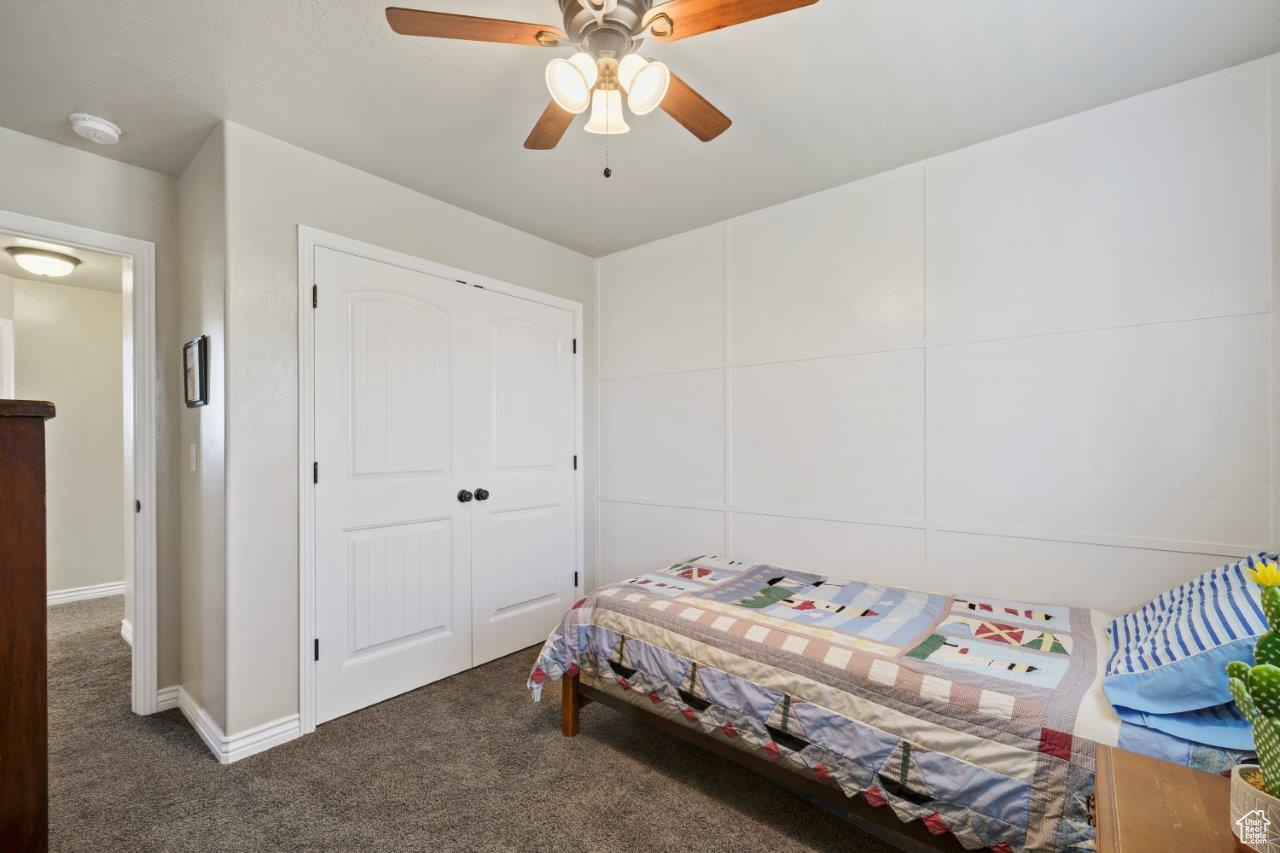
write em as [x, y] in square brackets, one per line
[971, 714]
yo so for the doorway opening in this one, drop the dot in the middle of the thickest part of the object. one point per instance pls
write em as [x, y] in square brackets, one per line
[84, 339]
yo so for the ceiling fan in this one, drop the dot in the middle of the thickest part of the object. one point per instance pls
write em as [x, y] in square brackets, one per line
[605, 66]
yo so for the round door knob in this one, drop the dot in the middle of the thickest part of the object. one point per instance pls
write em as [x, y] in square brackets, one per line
[482, 494]
[464, 496]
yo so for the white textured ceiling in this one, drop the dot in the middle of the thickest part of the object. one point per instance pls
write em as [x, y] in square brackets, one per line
[97, 271]
[819, 96]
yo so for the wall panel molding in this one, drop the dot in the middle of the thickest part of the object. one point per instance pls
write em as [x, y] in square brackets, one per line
[668, 435]
[1211, 312]
[1121, 215]
[688, 268]
[878, 521]
[1214, 549]
[1179, 293]
[853, 257]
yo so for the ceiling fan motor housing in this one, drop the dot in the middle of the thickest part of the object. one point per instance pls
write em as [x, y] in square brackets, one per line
[610, 35]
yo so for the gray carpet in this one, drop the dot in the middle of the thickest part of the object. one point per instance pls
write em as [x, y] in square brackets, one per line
[468, 763]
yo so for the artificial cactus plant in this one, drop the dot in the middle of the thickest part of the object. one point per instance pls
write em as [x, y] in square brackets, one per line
[1256, 688]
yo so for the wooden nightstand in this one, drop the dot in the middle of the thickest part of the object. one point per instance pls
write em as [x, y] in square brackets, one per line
[1143, 804]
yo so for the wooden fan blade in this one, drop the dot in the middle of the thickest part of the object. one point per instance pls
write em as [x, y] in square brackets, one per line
[695, 112]
[415, 22]
[687, 18]
[547, 132]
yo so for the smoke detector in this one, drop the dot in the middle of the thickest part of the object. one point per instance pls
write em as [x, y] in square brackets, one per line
[95, 129]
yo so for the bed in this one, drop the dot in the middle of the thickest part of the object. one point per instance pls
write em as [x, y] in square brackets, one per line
[972, 720]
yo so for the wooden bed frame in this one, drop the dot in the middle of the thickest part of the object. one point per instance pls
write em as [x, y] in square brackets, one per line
[880, 822]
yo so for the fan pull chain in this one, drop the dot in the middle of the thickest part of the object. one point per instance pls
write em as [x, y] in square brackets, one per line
[608, 173]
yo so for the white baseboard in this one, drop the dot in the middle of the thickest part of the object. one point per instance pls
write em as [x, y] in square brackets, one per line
[126, 631]
[242, 744]
[167, 698]
[83, 593]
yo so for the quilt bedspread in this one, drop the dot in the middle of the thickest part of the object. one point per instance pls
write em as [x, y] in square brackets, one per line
[957, 711]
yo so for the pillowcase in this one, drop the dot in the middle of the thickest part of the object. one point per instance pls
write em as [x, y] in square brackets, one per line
[1221, 725]
[1210, 759]
[1170, 655]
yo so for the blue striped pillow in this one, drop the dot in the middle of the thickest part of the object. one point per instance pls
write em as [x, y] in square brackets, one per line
[1170, 655]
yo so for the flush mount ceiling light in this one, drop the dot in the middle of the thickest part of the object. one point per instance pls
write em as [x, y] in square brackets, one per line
[606, 67]
[95, 129]
[42, 261]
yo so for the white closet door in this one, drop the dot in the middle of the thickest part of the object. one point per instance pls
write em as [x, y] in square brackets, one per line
[393, 543]
[523, 534]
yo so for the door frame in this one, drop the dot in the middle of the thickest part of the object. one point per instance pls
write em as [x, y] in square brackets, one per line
[310, 239]
[139, 291]
[6, 357]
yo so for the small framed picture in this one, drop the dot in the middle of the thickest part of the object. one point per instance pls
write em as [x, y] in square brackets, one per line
[195, 371]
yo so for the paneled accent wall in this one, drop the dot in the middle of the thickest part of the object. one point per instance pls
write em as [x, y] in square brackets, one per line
[1041, 367]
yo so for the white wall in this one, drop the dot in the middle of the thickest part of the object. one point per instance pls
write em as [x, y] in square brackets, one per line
[202, 236]
[68, 345]
[1041, 367]
[51, 181]
[6, 297]
[273, 187]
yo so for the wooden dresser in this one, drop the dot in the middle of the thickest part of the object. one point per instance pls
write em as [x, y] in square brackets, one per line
[1143, 804]
[24, 739]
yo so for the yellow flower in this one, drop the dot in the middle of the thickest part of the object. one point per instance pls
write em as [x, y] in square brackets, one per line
[1265, 574]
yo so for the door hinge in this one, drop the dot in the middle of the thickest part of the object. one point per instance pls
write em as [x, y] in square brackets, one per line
[315, 472]
[575, 580]
[137, 506]
[575, 462]
[575, 346]
[317, 648]
[315, 296]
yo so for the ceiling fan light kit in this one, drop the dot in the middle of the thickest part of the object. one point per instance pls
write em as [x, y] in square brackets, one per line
[605, 66]
[606, 113]
[645, 83]
[571, 81]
